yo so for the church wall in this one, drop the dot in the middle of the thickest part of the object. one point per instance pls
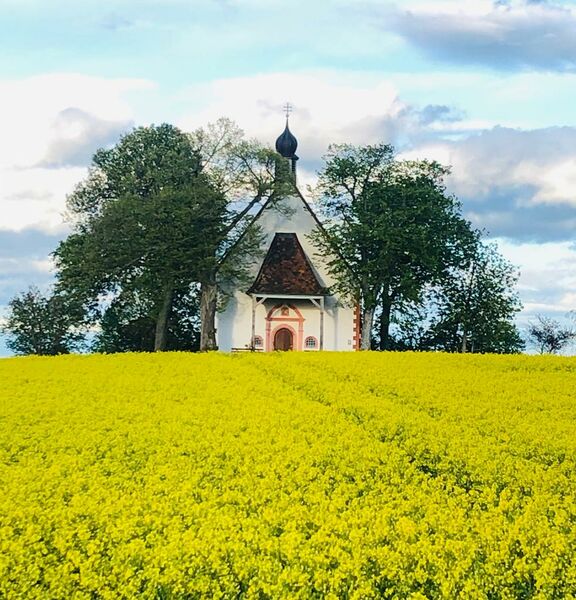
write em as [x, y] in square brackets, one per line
[235, 323]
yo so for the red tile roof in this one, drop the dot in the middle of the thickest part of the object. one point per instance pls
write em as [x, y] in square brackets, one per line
[286, 270]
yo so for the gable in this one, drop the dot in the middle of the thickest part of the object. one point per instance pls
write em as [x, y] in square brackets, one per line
[291, 214]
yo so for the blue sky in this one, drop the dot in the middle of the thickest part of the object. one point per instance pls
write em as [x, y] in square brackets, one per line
[485, 86]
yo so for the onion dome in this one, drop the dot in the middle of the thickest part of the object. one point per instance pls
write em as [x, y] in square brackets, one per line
[286, 143]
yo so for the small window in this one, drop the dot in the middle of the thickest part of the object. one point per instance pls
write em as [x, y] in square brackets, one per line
[311, 343]
[258, 341]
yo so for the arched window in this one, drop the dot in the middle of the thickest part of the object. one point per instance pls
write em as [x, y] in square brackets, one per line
[310, 343]
[258, 341]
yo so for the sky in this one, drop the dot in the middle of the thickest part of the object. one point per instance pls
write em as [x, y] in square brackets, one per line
[488, 87]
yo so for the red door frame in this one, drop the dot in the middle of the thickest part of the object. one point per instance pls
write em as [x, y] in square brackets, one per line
[287, 322]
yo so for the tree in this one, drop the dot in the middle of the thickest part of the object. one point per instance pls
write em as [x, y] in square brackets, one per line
[127, 326]
[549, 336]
[39, 324]
[395, 228]
[165, 241]
[475, 305]
[146, 220]
[245, 173]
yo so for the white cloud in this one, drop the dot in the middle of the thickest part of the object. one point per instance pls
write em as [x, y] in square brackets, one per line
[508, 178]
[556, 182]
[510, 158]
[30, 108]
[77, 134]
[328, 106]
[515, 183]
[547, 275]
[35, 197]
[11, 266]
[34, 133]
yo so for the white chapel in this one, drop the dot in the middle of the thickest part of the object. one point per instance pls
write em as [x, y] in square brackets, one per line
[289, 305]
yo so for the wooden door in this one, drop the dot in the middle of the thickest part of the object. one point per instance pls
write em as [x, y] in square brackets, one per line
[283, 339]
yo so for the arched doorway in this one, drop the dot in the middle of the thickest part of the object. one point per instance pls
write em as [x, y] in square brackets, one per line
[284, 316]
[283, 339]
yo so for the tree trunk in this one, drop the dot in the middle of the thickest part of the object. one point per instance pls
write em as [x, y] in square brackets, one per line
[467, 309]
[208, 302]
[367, 322]
[385, 324]
[162, 321]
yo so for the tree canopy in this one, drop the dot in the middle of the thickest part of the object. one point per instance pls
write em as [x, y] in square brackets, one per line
[40, 324]
[394, 225]
[127, 324]
[549, 335]
[146, 221]
[473, 308]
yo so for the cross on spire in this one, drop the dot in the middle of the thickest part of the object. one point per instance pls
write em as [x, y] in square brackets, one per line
[288, 109]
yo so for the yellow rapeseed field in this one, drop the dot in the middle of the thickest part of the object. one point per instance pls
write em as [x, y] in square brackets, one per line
[296, 475]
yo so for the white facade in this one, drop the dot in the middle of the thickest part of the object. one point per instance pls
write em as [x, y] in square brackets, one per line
[255, 321]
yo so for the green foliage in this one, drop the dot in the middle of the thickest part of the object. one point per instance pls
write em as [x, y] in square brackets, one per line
[168, 239]
[476, 304]
[244, 172]
[128, 324]
[150, 215]
[147, 222]
[144, 163]
[42, 325]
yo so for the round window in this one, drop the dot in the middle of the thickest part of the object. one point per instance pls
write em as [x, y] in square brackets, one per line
[310, 343]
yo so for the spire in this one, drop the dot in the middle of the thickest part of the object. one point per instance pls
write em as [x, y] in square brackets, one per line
[286, 143]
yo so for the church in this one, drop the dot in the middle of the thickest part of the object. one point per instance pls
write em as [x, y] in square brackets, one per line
[289, 305]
